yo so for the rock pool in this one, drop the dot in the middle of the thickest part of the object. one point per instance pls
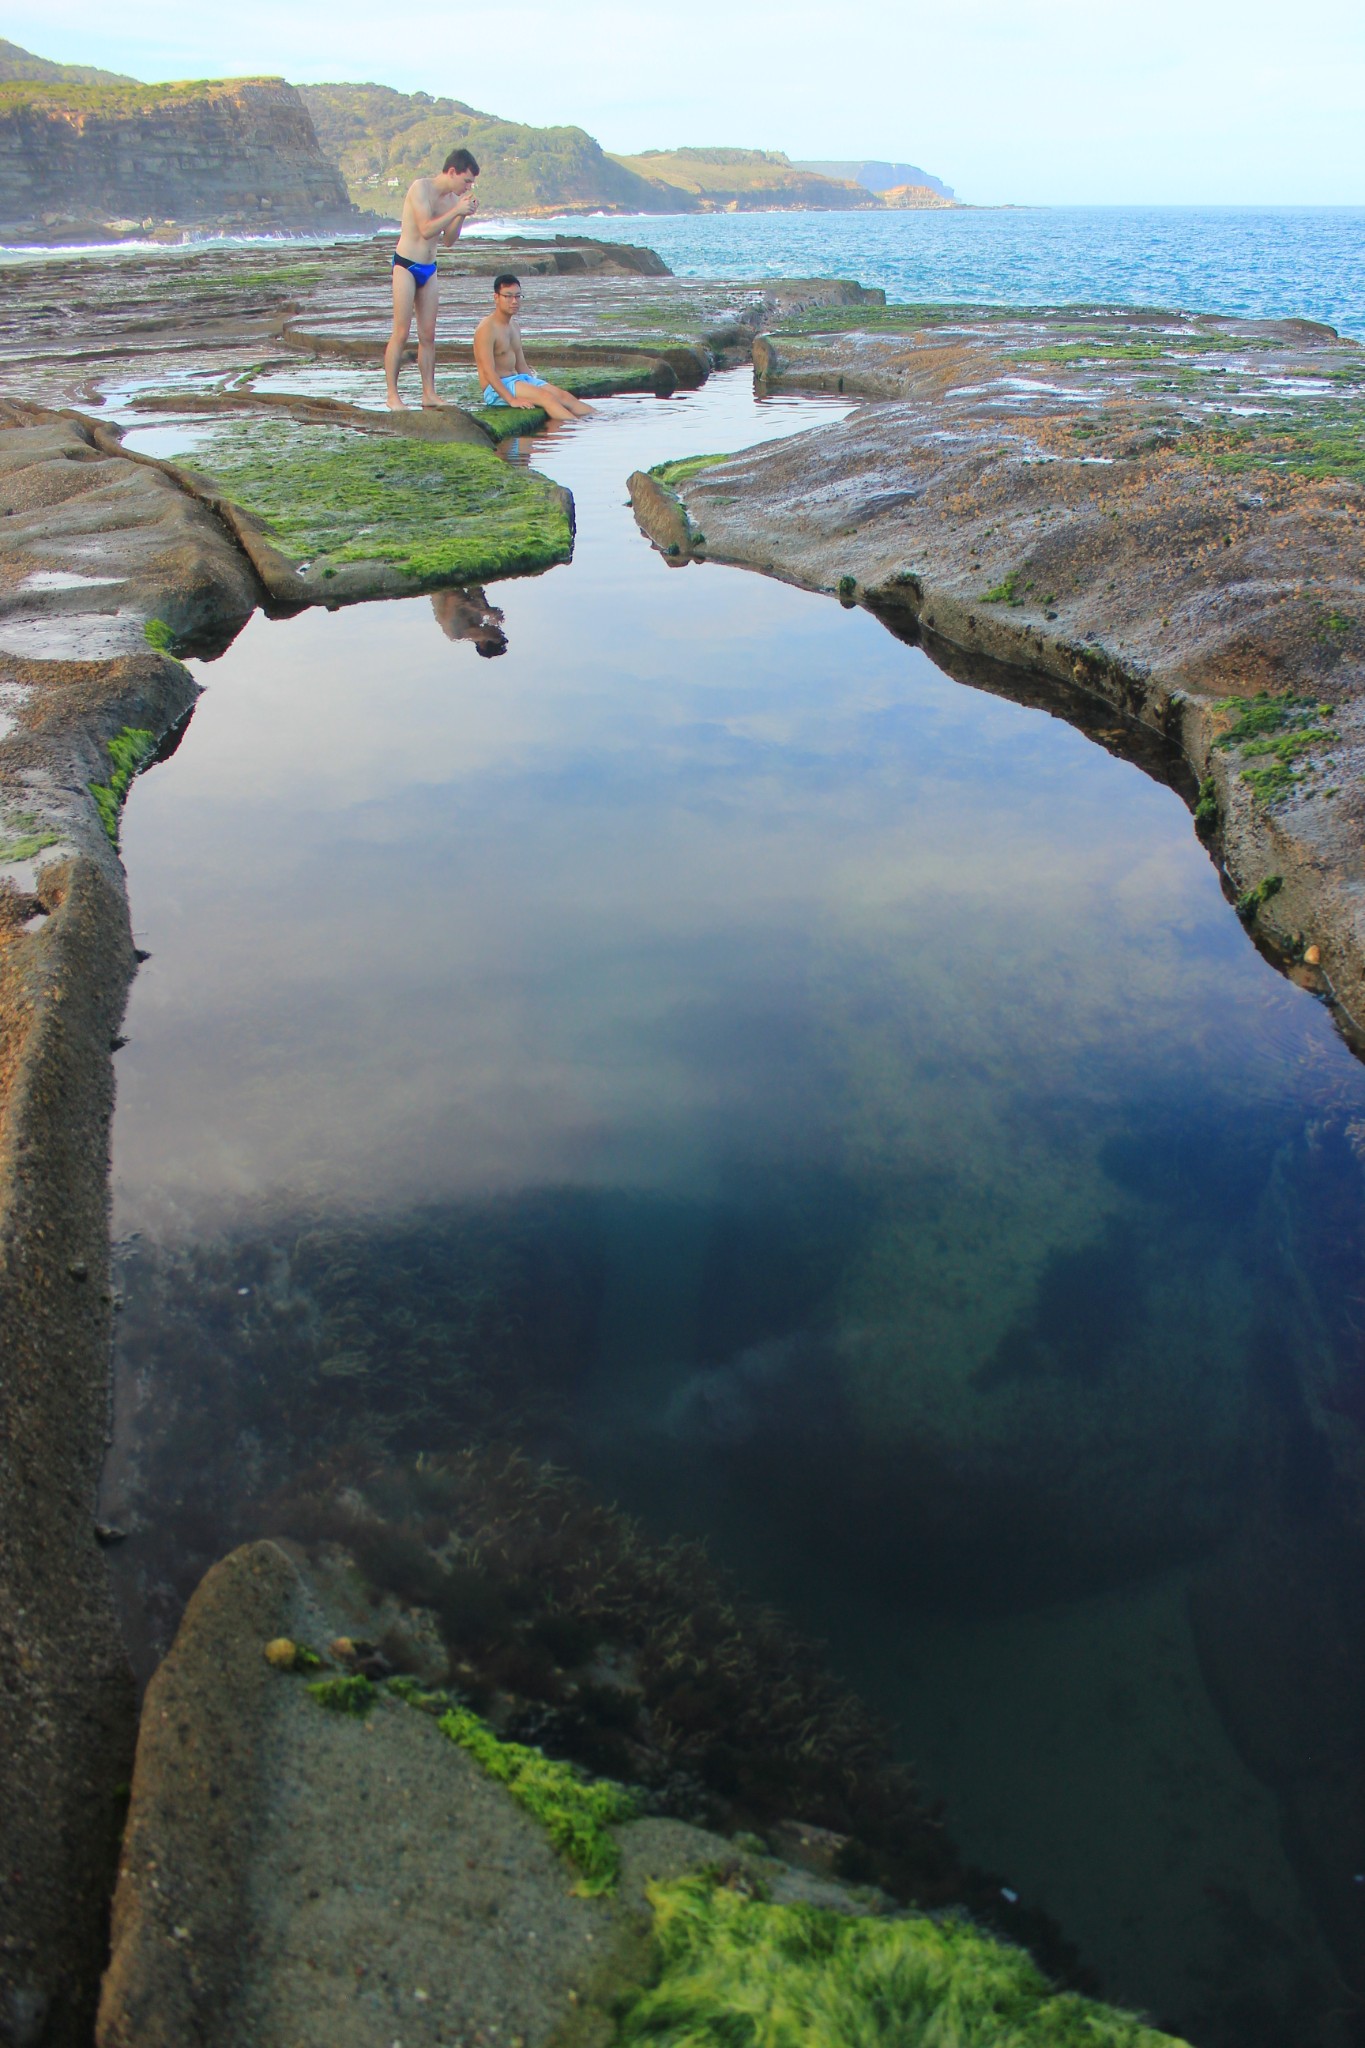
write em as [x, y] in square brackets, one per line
[834, 1109]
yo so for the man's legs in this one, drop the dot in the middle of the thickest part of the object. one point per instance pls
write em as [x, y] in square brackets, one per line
[404, 294]
[560, 405]
[428, 301]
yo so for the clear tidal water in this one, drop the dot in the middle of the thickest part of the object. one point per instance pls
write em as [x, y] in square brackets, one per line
[1260, 262]
[936, 1200]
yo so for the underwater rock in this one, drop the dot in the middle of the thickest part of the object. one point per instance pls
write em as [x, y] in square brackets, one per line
[242, 1912]
[245, 1914]
[1279, 1623]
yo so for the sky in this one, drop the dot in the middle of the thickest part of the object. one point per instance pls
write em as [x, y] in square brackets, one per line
[1011, 101]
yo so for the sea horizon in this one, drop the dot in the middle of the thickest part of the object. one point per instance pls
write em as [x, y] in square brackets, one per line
[1247, 261]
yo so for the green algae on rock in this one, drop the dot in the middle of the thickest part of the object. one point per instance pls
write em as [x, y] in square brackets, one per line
[575, 1812]
[670, 473]
[129, 751]
[22, 838]
[571, 1809]
[737, 1969]
[437, 511]
[353, 1695]
[1283, 733]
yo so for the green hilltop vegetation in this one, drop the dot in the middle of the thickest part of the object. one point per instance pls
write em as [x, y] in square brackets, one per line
[21, 67]
[383, 139]
[743, 179]
[118, 97]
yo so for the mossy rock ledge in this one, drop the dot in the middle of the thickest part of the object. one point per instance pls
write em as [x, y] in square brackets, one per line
[294, 1875]
[331, 514]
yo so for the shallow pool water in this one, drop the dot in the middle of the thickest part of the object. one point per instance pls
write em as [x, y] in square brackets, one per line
[842, 1106]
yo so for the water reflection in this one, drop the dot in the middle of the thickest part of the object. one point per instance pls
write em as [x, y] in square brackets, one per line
[835, 1110]
[467, 615]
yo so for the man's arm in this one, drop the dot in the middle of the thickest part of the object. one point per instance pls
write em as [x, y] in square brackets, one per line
[452, 233]
[519, 352]
[484, 363]
[430, 225]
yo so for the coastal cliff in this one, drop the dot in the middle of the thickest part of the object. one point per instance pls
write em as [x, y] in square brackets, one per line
[100, 159]
[383, 139]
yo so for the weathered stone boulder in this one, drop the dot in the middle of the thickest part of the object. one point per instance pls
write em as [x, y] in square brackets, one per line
[311, 1878]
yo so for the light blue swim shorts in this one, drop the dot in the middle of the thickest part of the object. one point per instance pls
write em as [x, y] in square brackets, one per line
[491, 396]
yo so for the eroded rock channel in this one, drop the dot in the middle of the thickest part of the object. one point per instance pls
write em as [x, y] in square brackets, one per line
[826, 1109]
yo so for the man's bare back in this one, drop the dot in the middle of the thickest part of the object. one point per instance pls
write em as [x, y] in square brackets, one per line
[500, 359]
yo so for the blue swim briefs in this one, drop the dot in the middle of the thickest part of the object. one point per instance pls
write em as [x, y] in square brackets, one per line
[422, 272]
[492, 397]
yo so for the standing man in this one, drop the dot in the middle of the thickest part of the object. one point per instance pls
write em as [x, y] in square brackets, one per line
[428, 218]
[500, 360]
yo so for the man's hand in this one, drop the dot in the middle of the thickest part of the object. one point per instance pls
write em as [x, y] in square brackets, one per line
[460, 212]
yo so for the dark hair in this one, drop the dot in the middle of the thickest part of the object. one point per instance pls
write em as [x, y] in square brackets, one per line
[461, 160]
[503, 277]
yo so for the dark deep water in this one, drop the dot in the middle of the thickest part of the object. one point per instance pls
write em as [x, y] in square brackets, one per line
[834, 1109]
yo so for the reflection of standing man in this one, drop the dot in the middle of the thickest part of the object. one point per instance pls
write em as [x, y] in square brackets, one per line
[467, 615]
[428, 218]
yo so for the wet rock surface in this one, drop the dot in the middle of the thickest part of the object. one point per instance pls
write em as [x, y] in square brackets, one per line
[91, 544]
[1163, 510]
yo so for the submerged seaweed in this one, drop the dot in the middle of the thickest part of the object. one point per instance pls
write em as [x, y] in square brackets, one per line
[575, 1814]
[739, 1970]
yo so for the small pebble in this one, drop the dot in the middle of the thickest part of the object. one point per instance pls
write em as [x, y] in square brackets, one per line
[281, 1653]
[1312, 955]
[1006, 1893]
[244, 1290]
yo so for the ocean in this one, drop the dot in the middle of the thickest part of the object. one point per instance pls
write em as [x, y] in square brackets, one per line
[1259, 262]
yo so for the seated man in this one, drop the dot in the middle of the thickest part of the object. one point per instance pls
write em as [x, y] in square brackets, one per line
[508, 378]
[428, 217]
